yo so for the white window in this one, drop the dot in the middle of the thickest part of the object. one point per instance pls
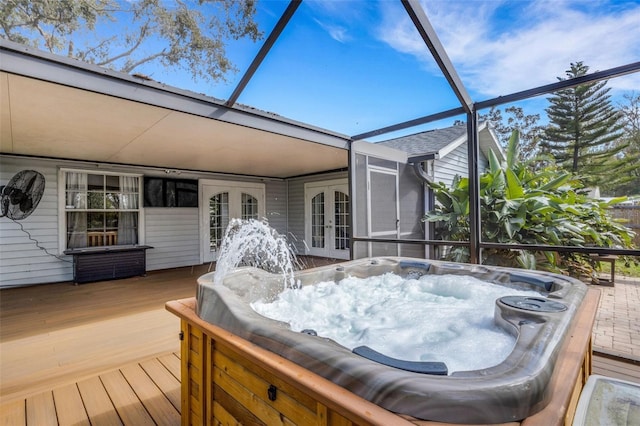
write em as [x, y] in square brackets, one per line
[100, 209]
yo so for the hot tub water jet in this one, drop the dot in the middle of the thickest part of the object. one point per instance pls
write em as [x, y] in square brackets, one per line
[254, 243]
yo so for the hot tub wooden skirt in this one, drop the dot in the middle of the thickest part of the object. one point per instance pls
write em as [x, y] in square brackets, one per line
[228, 380]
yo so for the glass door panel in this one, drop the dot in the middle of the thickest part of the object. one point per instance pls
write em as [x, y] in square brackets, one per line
[317, 221]
[218, 219]
[249, 207]
[341, 220]
[327, 219]
[221, 202]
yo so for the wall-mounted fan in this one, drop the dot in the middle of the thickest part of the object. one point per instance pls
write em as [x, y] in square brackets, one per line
[20, 197]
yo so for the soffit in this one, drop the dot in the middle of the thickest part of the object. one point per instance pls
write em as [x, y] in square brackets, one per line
[41, 118]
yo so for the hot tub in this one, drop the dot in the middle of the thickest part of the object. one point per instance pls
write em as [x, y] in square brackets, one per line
[514, 389]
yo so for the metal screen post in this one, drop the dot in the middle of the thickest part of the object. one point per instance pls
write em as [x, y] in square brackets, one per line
[352, 196]
[474, 187]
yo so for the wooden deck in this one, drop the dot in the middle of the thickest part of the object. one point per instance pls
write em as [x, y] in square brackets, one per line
[616, 368]
[56, 334]
[142, 393]
[108, 353]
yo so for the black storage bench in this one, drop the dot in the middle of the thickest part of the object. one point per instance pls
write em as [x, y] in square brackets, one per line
[108, 263]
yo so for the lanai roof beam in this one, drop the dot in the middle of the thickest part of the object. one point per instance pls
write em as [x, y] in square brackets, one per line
[560, 85]
[428, 34]
[411, 123]
[275, 33]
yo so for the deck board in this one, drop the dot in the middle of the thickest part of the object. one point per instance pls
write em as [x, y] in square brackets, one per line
[164, 380]
[616, 369]
[13, 413]
[97, 403]
[153, 399]
[69, 407]
[172, 363]
[129, 407]
[41, 410]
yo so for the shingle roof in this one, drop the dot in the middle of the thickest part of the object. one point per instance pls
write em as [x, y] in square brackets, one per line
[429, 142]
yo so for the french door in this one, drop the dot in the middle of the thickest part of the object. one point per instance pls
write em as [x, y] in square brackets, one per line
[327, 219]
[221, 201]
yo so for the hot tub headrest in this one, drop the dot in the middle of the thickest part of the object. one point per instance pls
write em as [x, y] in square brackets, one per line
[429, 367]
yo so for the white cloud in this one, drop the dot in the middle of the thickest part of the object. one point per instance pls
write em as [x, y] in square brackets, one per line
[336, 32]
[536, 47]
[340, 18]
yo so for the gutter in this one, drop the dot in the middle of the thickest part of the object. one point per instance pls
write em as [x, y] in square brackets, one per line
[417, 161]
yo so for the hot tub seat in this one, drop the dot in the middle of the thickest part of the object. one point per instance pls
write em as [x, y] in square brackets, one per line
[510, 391]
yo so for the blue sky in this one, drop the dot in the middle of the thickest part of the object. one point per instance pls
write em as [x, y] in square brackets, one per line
[355, 66]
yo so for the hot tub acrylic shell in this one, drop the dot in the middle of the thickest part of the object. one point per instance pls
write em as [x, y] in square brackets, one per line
[510, 391]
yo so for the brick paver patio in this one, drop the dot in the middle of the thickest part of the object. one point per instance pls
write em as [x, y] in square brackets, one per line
[617, 326]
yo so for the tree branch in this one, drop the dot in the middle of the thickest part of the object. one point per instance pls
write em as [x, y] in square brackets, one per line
[91, 50]
[132, 66]
[141, 37]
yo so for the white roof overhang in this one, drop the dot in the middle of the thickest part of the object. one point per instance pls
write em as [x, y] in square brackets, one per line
[487, 140]
[60, 108]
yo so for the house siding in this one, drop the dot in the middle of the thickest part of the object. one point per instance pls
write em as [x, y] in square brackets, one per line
[174, 235]
[22, 261]
[455, 163]
[276, 205]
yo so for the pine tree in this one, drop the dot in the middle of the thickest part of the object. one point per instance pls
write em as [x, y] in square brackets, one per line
[585, 131]
[630, 111]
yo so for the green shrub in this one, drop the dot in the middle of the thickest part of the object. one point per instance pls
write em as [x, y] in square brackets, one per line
[520, 205]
